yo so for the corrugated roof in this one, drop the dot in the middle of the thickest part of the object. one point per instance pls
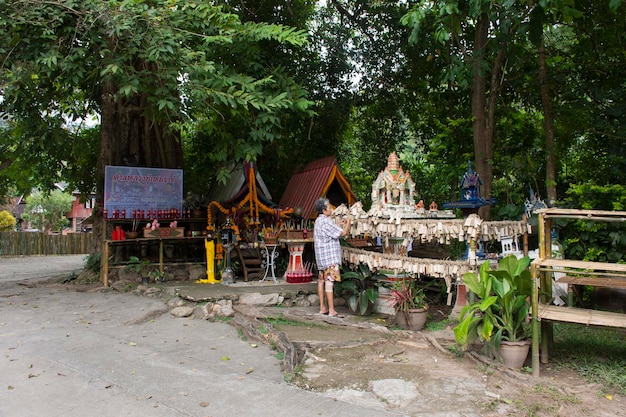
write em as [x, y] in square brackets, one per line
[313, 182]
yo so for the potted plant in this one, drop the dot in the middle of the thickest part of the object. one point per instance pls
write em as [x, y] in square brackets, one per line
[499, 314]
[359, 287]
[142, 267]
[410, 304]
[158, 276]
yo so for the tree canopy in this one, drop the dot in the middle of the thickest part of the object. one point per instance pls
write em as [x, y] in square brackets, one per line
[46, 211]
[532, 91]
[146, 68]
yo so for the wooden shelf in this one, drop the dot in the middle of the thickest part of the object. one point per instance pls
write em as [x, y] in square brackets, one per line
[594, 281]
[583, 267]
[116, 253]
[573, 272]
[595, 215]
[581, 316]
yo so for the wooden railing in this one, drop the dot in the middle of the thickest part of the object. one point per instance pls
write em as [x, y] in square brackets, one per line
[29, 243]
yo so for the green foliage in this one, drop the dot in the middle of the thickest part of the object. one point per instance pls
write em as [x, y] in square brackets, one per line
[500, 311]
[93, 262]
[243, 83]
[588, 240]
[167, 62]
[46, 211]
[142, 267]
[146, 269]
[596, 197]
[7, 221]
[359, 287]
[159, 276]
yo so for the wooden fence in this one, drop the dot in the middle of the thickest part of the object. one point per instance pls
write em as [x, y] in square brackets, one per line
[28, 243]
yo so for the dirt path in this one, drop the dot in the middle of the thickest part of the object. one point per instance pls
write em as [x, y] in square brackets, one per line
[414, 374]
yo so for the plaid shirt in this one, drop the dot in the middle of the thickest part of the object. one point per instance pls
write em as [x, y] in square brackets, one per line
[327, 248]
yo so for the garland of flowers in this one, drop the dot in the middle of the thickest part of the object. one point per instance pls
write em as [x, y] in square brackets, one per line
[255, 207]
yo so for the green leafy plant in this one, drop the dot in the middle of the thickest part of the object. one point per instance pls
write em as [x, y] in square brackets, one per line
[159, 276]
[359, 287]
[500, 311]
[93, 262]
[142, 267]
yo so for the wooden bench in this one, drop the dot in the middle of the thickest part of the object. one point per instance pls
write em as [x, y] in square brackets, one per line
[572, 272]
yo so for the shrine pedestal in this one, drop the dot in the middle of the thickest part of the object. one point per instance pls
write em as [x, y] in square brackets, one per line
[297, 272]
[461, 300]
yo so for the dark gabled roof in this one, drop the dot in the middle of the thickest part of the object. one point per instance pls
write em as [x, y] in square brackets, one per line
[238, 186]
[320, 178]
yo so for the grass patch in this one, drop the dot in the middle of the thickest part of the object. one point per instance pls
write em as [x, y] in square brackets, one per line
[290, 376]
[595, 353]
[281, 321]
[223, 319]
[435, 326]
[241, 335]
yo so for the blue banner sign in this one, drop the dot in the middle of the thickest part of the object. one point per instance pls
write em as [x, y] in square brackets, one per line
[143, 193]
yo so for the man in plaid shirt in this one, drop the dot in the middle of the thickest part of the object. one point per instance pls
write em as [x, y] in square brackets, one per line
[327, 254]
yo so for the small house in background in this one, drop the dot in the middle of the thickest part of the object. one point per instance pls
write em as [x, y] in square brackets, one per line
[320, 178]
[80, 213]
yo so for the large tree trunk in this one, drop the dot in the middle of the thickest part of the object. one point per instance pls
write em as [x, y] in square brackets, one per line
[479, 88]
[482, 154]
[484, 109]
[548, 126]
[129, 135]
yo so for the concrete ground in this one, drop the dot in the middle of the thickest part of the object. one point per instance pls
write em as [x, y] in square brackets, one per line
[68, 353]
[106, 353]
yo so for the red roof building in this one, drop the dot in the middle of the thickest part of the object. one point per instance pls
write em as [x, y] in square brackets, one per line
[320, 178]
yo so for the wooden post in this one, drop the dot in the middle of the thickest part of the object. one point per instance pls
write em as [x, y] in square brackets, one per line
[161, 256]
[105, 264]
[525, 235]
[535, 321]
[545, 249]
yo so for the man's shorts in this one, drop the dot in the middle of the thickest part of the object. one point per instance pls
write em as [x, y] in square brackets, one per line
[332, 273]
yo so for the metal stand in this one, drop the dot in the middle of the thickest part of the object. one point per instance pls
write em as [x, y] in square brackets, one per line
[269, 257]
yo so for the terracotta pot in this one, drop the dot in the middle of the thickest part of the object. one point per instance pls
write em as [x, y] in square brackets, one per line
[132, 235]
[413, 319]
[514, 354]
